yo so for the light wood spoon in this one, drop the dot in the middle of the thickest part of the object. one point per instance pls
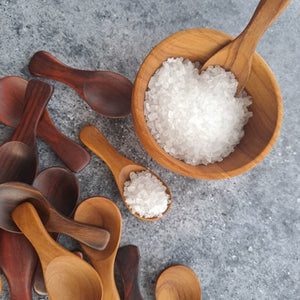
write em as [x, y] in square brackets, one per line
[107, 93]
[14, 193]
[120, 166]
[237, 55]
[103, 212]
[178, 282]
[67, 277]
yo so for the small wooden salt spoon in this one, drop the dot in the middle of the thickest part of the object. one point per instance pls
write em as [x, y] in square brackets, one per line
[67, 277]
[18, 157]
[61, 189]
[128, 260]
[107, 93]
[120, 166]
[237, 55]
[12, 102]
[100, 211]
[178, 282]
[14, 193]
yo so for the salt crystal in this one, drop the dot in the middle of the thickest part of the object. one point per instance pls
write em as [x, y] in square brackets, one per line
[146, 195]
[195, 117]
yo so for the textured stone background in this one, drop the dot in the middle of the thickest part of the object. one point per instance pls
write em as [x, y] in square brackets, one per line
[240, 235]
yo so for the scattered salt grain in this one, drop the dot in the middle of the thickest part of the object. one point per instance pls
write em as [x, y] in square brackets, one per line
[195, 117]
[146, 195]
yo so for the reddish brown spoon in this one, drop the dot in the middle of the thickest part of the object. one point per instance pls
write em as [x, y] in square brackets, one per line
[14, 193]
[108, 93]
[61, 189]
[128, 260]
[12, 102]
[18, 158]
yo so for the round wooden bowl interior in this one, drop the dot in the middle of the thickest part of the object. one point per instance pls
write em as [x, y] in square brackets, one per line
[261, 130]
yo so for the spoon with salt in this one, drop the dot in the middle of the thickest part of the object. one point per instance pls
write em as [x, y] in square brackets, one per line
[18, 157]
[237, 55]
[67, 277]
[12, 102]
[120, 166]
[100, 211]
[107, 93]
[128, 260]
[178, 282]
[61, 189]
[14, 193]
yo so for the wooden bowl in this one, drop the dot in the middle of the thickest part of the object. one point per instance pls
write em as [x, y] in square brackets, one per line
[261, 130]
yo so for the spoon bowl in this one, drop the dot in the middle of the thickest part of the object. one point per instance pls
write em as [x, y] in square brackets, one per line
[120, 166]
[262, 129]
[178, 282]
[67, 276]
[107, 93]
[12, 103]
[100, 211]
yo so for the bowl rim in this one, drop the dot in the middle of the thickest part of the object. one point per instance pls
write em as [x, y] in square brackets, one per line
[175, 165]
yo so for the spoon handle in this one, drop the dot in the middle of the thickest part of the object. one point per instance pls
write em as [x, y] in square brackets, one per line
[265, 14]
[97, 143]
[128, 260]
[92, 236]
[46, 65]
[72, 154]
[37, 95]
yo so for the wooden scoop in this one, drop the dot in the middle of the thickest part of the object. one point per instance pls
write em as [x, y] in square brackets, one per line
[67, 277]
[14, 193]
[18, 158]
[237, 55]
[178, 282]
[61, 189]
[120, 166]
[12, 102]
[108, 93]
[102, 212]
[128, 260]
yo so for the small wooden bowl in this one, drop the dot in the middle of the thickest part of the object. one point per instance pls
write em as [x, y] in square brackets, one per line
[261, 130]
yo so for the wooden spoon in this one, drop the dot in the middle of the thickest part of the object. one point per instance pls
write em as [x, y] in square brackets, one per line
[12, 102]
[120, 166]
[178, 282]
[14, 193]
[61, 189]
[18, 158]
[108, 93]
[128, 260]
[100, 211]
[67, 276]
[237, 55]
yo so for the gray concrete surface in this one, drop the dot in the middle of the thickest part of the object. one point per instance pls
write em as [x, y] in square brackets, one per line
[240, 235]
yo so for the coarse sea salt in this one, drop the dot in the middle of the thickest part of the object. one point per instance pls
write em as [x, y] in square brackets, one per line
[195, 117]
[146, 195]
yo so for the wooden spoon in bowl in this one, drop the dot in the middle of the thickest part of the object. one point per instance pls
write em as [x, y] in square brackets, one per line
[18, 158]
[107, 93]
[14, 193]
[128, 260]
[178, 282]
[61, 189]
[102, 212]
[237, 55]
[67, 276]
[120, 166]
[12, 102]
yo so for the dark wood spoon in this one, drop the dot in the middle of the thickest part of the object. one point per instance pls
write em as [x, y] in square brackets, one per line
[108, 93]
[14, 193]
[128, 260]
[12, 102]
[61, 189]
[18, 158]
